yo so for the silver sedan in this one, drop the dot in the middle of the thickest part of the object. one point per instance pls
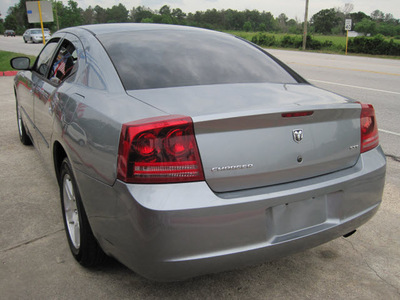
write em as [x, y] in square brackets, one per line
[183, 151]
[35, 35]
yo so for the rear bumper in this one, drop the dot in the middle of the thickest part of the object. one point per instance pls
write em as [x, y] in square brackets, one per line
[175, 231]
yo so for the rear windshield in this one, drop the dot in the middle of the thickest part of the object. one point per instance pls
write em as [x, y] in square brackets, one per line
[172, 58]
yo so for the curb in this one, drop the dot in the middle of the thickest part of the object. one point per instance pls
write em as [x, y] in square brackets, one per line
[8, 73]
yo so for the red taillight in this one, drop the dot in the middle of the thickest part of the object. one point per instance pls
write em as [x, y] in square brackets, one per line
[369, 128]
[159, 150]
[297, 114]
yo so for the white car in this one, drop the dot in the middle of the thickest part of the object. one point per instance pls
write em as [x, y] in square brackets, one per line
[35, 35]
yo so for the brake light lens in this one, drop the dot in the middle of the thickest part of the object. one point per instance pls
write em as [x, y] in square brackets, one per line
[159, 150]
[369, 128]
[297, 114]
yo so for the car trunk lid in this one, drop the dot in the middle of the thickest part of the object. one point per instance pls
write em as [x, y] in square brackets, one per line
[253, 135]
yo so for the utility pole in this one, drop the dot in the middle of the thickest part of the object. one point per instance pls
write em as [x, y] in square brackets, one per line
[305, 27]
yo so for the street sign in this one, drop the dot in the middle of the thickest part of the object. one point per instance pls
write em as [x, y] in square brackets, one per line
[347, 24]
[347, 27]
[39, 12]
[32, 9]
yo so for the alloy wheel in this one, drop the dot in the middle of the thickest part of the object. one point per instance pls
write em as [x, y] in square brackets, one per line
[71, 211]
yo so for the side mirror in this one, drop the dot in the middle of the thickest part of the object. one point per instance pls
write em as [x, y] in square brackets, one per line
[20, 63]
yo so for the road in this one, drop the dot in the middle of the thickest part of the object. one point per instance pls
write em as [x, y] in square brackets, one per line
[35, 258]
[17, 45]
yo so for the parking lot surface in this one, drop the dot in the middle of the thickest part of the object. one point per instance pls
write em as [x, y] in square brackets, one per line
[36, 262]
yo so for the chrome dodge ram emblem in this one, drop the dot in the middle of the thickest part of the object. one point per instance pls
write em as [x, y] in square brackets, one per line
[297, 135]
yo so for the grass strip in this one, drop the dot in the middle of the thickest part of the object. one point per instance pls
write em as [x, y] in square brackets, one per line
[5, 58]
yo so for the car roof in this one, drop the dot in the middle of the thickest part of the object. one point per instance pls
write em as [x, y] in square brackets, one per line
[98, 29]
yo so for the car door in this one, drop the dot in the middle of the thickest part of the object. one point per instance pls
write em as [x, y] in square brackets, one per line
[60, 68]
[26, 88]
[40, 72]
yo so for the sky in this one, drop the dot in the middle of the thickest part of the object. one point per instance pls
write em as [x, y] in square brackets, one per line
[292, 8]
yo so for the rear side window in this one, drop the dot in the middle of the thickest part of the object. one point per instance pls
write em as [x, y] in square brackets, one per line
[63, 63]
[170, 58]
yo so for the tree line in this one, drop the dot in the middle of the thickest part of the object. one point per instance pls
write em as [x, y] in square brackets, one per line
[326, 21]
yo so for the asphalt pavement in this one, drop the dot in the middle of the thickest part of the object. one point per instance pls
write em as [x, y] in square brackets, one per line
[16, 44]
[35, 262]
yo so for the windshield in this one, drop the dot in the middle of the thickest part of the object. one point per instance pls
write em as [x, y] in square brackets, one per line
[170, 58]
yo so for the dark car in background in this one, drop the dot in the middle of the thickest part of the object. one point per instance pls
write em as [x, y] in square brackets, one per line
[9, 32]
[181, 151]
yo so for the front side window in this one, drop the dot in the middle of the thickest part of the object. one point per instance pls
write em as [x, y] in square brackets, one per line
[44, 59]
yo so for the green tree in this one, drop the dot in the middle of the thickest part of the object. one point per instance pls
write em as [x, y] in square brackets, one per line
[147, 20]
[233, 20]
[70, 15]
[366, 26]
[294, 27]
[282, 22]
[247, 26]
[325, 20]
[165, 10]
[157, 19]
[252, 16]
[139, 13]
[213, 19]
[387, 29]
[268, 19]
[178, 16]
[262, 27]
[378, 15]
[88, 16]
[18, 11]
[166, 18]
[117, 14]
[2, 26]
[358, 16]
[389, 18]
[11, 22]
[100, 15]
[57, 8]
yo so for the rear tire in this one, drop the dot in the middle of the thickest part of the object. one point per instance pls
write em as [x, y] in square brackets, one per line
[23, 136]
[81, 240]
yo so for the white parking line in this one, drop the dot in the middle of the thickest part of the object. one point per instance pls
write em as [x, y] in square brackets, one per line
[389, 132]
[354, 86]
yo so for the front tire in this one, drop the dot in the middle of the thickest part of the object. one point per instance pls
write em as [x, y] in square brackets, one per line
[23, 136]
[81, 240]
